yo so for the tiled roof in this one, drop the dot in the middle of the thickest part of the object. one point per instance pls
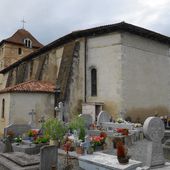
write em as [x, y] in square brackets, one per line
[19, 36]
[31, 86]
[92, 32]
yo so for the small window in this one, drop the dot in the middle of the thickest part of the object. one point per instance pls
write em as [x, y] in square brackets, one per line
[28, 43]
[19, 51]
[31, 68]
[3, 109]
[93, 82]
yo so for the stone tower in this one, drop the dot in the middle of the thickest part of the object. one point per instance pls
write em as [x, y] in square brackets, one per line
[20, 44]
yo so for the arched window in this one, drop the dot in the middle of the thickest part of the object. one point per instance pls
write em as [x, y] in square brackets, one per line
[3, 109]
[93, 82]
[28, 42]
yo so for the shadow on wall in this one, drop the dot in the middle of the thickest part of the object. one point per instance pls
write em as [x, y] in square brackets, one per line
[140, 114]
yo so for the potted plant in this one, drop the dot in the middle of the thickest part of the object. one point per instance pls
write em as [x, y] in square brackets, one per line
[98, 142]
[79, 147]
[122, 156]
[55, 130]
[78, 124]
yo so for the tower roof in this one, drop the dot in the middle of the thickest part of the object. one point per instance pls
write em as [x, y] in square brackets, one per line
[19, 36]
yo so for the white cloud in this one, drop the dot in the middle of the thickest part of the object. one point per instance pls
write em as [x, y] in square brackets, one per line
[49, 19]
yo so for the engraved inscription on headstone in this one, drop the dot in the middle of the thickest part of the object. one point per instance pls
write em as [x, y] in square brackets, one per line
[153, 129]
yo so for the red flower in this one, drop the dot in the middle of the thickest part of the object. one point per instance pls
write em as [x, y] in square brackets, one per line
[123, 131]
[103, 134]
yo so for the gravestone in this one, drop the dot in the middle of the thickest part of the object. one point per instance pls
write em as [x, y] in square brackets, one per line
[49, 157]
[87, 119]
[8, 146]
[166, 149]
[17, 129]
[103, 117]
[153, 129]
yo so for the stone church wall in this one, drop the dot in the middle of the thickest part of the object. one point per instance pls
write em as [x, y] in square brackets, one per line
[145, 77]
[44, 67]
[41, 103]
[11, 53]
[4, 121]
[104, 54]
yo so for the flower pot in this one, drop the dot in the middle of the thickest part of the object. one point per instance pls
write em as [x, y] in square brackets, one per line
[90, 150]
[123, 160]
[98, 148]
[79, 150]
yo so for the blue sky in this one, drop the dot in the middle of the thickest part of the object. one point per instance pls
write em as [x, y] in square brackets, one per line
[48, 20]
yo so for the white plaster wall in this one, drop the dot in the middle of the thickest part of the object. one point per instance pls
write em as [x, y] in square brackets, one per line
[145, 74]
[104, 53]
[23, 103]
[4, 122]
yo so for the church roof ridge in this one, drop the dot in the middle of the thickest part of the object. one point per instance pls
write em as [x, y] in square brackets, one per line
[121, 26]
[31, 86]
[19, 36]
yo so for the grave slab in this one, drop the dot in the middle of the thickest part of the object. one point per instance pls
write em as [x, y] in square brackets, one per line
[101, 161]
[19, 161]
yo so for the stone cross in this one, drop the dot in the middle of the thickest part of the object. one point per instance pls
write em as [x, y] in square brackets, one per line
[61, 110]
[32, 122]
[153, 129]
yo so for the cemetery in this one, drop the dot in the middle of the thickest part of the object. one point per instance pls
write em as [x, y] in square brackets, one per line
[82, 144]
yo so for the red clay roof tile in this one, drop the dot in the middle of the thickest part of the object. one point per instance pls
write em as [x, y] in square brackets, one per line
[31, 86]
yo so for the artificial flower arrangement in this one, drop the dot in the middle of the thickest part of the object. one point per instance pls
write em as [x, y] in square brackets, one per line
[32, 132]
[98, 140]
[68, 144]
[41, 139]
[119, 120]
[122, 131]
[18, 139]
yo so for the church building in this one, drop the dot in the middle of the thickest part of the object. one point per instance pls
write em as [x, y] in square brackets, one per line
[116, 68]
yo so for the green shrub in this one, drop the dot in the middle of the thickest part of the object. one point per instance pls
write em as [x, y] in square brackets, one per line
[54, 129]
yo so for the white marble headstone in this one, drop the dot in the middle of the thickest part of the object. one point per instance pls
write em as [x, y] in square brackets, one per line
[153, 129]
[103, 117]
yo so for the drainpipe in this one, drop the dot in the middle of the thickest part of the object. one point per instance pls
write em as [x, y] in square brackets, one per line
[85, 64]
